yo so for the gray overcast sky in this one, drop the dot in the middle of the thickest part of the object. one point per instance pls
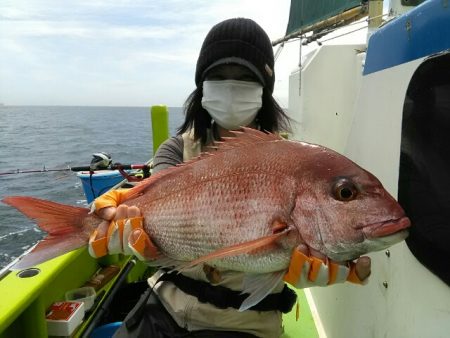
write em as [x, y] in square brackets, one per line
[127, 53]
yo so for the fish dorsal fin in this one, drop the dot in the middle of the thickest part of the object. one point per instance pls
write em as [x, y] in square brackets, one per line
[243, 137]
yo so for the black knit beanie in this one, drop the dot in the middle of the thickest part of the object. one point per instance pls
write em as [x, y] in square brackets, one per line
[241, 41]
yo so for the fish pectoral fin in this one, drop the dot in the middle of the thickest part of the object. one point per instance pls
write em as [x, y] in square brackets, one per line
[259, 286]
[278, 226]
[238, 249]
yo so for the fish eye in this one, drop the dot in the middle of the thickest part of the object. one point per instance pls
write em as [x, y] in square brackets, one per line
[345, 190]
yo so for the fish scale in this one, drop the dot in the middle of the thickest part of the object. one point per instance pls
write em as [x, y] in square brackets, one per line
[219, 207]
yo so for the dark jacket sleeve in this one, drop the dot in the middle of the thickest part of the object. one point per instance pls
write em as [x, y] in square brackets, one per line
[169, 154]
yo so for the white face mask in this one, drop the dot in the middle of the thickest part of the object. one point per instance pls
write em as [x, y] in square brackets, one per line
[231, 103]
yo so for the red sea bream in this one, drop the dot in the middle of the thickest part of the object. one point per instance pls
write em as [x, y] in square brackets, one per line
[244, 205]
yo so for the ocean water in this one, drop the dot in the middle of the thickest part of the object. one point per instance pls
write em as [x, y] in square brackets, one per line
[32, 137]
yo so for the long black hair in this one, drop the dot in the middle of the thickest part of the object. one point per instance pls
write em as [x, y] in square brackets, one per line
[271, 117]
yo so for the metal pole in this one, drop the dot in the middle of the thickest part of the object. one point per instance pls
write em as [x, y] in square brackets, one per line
[300, 68]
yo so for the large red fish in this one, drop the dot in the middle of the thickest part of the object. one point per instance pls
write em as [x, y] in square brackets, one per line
[244, 207]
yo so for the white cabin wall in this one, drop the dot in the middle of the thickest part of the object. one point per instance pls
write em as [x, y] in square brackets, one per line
[323, 109]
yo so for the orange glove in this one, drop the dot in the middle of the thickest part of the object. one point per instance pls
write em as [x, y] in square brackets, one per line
[112, 198]
[306, 271]
[124, 234]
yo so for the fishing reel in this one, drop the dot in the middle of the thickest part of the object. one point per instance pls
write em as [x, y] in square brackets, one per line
[100, 161]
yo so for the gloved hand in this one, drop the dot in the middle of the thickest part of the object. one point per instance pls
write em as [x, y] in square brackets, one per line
[308, 268]
[121, 232]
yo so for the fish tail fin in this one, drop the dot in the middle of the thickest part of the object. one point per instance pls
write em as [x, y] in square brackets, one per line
[66, 227]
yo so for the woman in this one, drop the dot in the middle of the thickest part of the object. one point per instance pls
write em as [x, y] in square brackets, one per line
[234, 79]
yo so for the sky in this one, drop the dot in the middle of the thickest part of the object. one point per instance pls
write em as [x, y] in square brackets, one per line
[121, 52]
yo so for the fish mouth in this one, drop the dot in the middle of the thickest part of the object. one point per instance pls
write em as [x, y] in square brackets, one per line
[386, 228]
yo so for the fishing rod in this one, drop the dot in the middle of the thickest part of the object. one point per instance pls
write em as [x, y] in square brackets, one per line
[116, 166]
[100, 161]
